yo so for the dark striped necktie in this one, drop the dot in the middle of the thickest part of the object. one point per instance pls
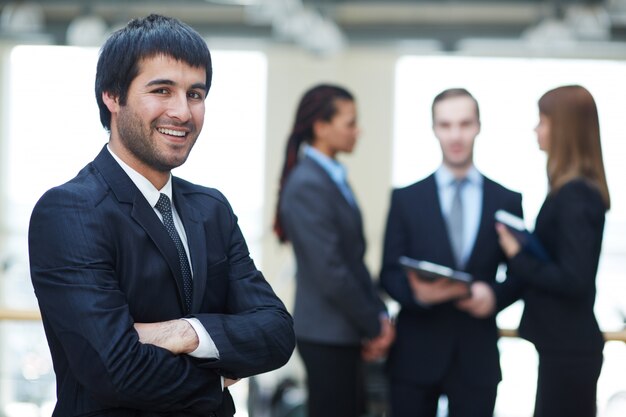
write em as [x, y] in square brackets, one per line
[165, 208]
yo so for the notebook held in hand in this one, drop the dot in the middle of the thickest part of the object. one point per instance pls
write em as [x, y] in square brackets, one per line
[527, 240]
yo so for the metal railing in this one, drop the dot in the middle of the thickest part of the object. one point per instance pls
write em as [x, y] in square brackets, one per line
[19, 315]
[35, 315]
[619, 336]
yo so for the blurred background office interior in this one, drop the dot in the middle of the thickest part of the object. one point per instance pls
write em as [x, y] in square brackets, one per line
[395, 56]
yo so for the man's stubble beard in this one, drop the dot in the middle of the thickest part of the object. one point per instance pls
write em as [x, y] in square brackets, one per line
[141, 143]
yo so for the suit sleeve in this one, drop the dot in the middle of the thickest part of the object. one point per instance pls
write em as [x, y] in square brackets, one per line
[313, 233]
[255, 335]
[392, 276]
[86, 315]
[579, 227]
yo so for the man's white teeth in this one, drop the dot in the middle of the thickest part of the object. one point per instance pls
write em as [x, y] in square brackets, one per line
[172, 132]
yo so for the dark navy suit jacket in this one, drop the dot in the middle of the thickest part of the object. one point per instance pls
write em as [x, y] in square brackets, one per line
[429, 338]
[101, 260]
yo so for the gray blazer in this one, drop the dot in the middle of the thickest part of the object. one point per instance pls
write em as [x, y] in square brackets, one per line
[336, 301]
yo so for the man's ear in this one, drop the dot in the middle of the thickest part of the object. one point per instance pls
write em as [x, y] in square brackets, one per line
[112, 102]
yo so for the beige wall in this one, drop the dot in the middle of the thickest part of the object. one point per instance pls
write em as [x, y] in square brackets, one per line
[369, 75]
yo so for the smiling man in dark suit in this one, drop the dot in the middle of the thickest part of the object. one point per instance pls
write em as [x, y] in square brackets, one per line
[149, 299]
[447, 219]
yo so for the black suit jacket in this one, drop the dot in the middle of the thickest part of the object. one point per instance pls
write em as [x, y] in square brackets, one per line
[559, 295]
[336, 301]
[428, 338]
[101, 259]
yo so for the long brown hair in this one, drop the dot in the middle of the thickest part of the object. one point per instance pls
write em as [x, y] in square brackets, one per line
[574, 149]
[316, 104]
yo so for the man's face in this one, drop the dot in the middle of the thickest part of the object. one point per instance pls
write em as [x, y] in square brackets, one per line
[163, 115]
[456, 125]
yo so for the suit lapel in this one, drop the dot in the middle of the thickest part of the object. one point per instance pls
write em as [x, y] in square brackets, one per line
[147, 218]
[486, 221]
[127, 193]
[196, 241]
[334, 189]
[435, 214]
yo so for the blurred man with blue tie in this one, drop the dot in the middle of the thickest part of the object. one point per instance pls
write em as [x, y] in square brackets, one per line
[447, 219]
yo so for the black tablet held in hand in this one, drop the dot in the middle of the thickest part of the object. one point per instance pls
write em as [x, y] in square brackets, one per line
[431, 271]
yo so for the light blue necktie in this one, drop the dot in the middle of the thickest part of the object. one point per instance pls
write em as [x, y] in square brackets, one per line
[455, 223]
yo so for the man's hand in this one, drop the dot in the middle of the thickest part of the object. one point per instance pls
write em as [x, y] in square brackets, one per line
[228, 382]
[177, 336]
[509, 244]
[435, 292]
[482, 303]
[377, 348]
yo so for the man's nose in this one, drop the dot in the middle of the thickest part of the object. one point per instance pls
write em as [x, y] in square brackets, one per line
[456, 132]
[179, 107]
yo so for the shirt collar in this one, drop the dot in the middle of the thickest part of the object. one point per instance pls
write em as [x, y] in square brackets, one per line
[334, 168]
[444, 177]
[146, 188]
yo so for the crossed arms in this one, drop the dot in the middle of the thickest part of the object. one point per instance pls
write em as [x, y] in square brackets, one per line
[79, 242]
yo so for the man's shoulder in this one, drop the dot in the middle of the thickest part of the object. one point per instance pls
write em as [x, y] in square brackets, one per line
[87, 188]
[420, 186]
[496, 187]
[191, 189]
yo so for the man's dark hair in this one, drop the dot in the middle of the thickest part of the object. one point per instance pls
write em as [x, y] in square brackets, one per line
[452, 93]
[143, 38]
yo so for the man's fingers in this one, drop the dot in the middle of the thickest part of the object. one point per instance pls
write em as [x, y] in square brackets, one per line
[228, 382]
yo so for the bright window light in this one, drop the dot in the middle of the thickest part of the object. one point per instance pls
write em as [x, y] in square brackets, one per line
[230, 152]
[54, 130]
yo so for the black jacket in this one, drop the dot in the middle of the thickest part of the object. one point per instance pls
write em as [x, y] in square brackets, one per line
[559, 295]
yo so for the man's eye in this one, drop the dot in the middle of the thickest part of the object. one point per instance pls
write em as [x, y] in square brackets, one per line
[160, 91]
[195, 95]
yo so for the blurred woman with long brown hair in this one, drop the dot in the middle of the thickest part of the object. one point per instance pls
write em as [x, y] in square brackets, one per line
[559, 294]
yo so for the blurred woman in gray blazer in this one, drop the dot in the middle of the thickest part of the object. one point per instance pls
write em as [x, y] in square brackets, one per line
[340, 320]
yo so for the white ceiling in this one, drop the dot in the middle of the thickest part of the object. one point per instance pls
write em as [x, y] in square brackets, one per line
[447, 23]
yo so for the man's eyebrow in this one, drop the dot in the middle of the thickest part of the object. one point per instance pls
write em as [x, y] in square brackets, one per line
[200, 86]
[160, 81]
